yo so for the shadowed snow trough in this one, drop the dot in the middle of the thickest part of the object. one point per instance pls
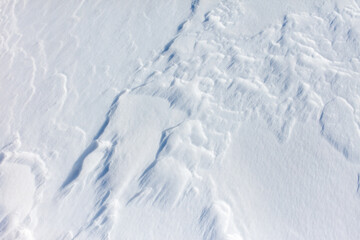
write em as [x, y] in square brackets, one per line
[196, 119]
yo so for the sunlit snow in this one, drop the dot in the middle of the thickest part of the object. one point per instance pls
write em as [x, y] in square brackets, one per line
[183, 119]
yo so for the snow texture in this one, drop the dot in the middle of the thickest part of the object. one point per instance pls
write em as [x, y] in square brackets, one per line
[196, 119]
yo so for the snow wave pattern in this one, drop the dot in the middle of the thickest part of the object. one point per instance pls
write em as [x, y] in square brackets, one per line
[191, 97]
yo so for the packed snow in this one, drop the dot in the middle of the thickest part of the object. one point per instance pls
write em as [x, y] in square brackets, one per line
[183, 119]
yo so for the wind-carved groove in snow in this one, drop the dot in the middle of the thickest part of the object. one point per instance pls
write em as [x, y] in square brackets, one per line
[217, 78]
[77, 167]
[163, 142]
[194, 6]
[90, 175]
[162, 192]
[102, 175]
[219, 83]
[166, 181]
[100, 213]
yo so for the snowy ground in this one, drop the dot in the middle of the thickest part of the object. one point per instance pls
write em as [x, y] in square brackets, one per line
[196, 119]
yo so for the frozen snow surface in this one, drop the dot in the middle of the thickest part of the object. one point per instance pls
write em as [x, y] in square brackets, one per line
[183, 119]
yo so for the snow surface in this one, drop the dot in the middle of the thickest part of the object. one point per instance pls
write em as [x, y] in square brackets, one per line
[196, 119]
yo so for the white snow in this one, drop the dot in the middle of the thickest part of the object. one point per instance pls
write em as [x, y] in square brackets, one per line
[196, 119]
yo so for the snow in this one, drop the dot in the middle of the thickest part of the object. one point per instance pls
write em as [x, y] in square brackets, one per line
[219, 119]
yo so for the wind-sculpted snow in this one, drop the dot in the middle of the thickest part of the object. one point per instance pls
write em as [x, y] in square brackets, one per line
[22, 178]
[186, 120]
[339, 127]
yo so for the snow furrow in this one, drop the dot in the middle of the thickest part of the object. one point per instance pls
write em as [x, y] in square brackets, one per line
[218, 119]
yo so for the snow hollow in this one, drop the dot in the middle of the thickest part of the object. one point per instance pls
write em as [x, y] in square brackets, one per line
[196, 119]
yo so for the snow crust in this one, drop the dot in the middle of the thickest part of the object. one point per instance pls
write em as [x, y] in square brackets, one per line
[217, 119]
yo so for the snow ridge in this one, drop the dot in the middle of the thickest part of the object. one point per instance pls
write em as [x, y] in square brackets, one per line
[152, 163]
